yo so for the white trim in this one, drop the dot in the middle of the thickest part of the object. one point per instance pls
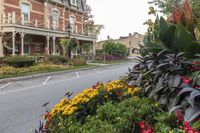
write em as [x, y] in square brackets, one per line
[74, 4]
[29, 14]
[71, 15]
[58, 11]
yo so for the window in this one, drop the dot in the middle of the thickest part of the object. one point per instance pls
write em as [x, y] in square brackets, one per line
[55, 16]
[25, 9]
[74, 2]
[72, 23]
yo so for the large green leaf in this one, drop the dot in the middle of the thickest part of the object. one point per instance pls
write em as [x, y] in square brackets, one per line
[192, 49]
[183, 91]
[193, 95]
[182, 38]
[163, 32]
[163, 25]
[174, 81]
[191, 113]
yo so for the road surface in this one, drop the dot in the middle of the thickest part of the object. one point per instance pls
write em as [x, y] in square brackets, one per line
[21, 101]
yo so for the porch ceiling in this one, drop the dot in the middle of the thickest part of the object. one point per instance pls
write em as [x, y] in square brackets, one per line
[44, 32]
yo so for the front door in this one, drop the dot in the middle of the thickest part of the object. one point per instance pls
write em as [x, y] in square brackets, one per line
[26, 44]
[26, 48]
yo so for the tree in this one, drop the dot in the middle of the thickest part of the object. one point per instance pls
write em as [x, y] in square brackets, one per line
[115, 49]
[89, 24]
[68, 45]
[167, 6]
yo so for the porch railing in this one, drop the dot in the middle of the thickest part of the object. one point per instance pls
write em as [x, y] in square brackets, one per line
[12, 18]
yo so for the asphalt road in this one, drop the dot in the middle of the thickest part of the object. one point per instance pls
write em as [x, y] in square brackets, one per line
[21, 101]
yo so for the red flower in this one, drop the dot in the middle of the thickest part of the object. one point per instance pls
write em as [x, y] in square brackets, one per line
[142, 124]
[46, 126]
[118, 93]
[177, 15]
[186, 80]
[187, 11]
[178, 113]
[195, 62]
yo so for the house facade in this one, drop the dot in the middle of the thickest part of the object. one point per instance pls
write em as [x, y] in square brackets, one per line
[131, 42]
[36, 26]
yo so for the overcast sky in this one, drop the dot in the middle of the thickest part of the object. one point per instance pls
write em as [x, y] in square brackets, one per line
[120, 17]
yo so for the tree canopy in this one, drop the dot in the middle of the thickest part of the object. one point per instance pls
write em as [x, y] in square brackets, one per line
[167, 6]
[89, 24]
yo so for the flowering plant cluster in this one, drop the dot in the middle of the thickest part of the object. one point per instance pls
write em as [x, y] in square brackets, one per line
[86, 102]
[112, 90]
[9, 70]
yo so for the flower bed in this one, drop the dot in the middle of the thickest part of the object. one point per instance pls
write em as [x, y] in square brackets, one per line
[114, 107]
[161, 94]
[9, 70]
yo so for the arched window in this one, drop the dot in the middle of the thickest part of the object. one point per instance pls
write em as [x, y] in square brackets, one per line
[25, 9]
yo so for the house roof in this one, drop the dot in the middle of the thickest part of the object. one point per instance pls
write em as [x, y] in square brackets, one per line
[80, 4]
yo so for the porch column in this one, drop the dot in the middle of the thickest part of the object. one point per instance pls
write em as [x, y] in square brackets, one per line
[94, 49]
[130, 51]
[47, 47]
[54, 45]
[78, 46]
[22, 43]
[1, 46]
[13, 43]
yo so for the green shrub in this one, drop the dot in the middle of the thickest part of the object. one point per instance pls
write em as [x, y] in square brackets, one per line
[77, 61]
[1, 60]
[19, 61]
[123, 117]
[56, 59]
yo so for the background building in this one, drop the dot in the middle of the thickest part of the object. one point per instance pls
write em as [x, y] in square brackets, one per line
[131, 41]
[36, 26]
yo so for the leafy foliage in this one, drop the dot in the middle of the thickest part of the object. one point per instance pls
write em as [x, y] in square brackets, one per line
[167, 6]
[56, 59]
[162, 77]
[115, 49]
[77, 61]
[19, 61]
[175, 38]
[89, 24]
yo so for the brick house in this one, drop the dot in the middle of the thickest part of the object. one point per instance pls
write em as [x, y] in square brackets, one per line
[131, 41]
[36, 26]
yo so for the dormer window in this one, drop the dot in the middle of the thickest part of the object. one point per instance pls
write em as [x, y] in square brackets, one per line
[74, 2]
[25, 9]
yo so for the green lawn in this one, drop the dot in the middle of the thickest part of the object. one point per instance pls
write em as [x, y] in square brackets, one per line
[113, 62]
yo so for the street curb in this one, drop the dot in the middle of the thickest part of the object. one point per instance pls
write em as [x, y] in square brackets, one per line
[52, 73]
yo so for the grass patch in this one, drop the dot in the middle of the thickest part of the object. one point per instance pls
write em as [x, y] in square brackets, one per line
[9, 72]
[114, 62]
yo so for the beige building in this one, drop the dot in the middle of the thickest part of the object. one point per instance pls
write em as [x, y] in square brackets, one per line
[131, 41]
